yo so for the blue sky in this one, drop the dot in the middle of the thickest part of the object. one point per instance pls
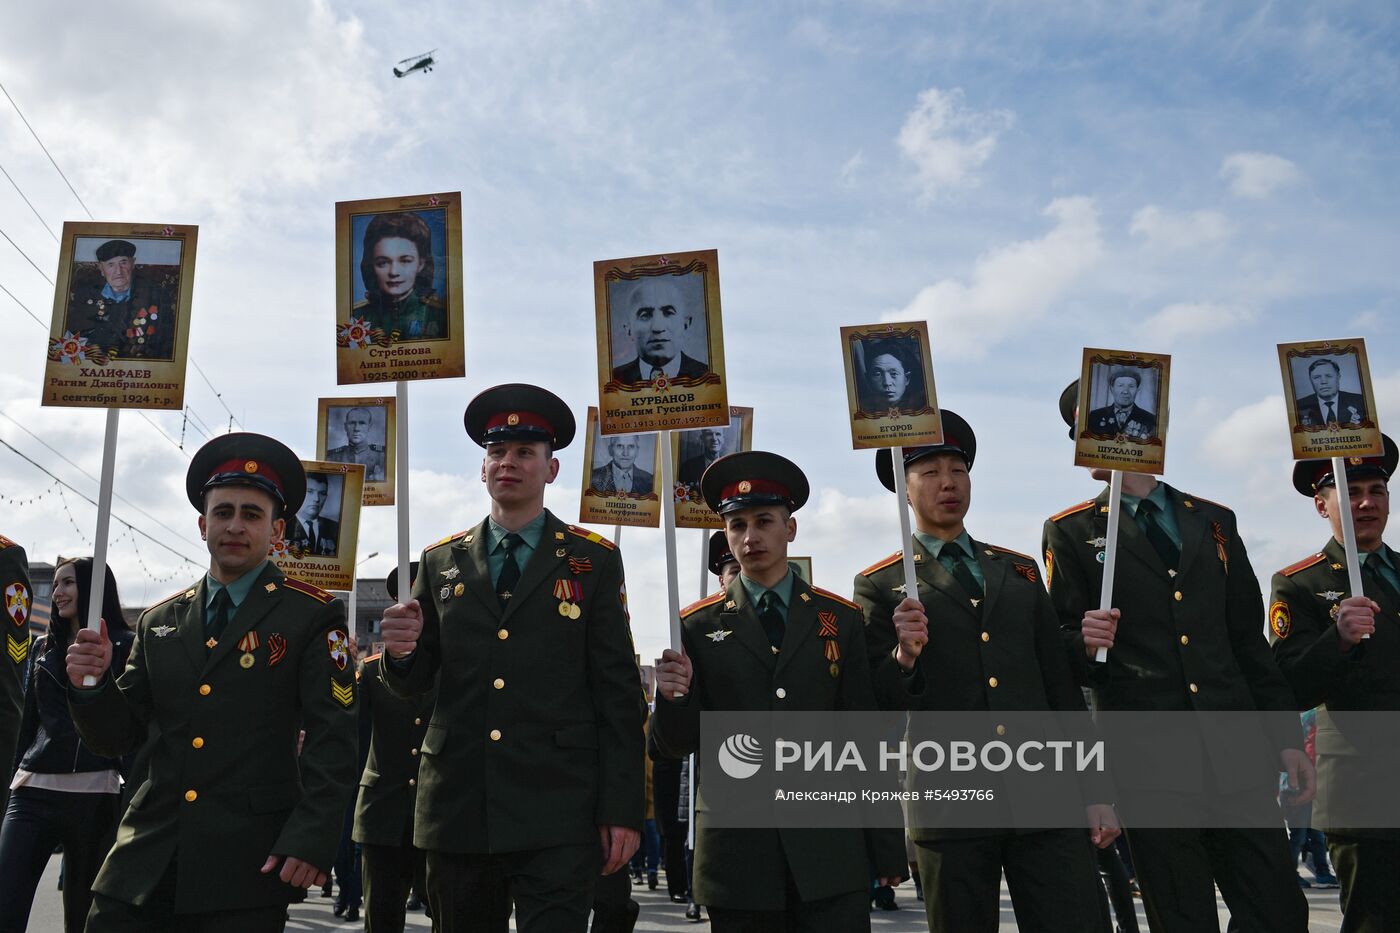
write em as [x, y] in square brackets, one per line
[1204, 180]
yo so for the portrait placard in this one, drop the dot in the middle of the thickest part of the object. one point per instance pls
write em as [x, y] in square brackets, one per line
[889, 385]
[1122, 415]
[398, 292]
[802, 566]
[621, 478]
[318, 544]
[360, 430]
[693, 451]
[1331, 405]
[120, 332]
[660, 343]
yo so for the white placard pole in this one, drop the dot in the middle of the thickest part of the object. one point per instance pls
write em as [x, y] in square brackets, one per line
[401, 475]
[704, 562]
[1339, 477]
[911, 580]
[1110, 548]
[98, 584]
[668, 526]
[690, 804]
[617, 535]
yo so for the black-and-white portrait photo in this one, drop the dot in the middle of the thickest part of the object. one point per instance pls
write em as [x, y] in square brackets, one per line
[1123, 401]
[889, 374]
[703, 446]
[315, 529]
[358, 434]
[623, 464]
[658, 328]
[1328, 391]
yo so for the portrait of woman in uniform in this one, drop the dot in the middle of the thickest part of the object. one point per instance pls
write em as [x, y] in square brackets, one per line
[398, 271]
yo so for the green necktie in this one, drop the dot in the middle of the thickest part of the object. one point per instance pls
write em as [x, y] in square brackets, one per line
[772, 618]
[1149, 517]
[510, 570]
[951, 557]
[218, 615]
[1376, 566]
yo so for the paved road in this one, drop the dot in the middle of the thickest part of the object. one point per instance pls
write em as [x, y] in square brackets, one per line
[659, 915]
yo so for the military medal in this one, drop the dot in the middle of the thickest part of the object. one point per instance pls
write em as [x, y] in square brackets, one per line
[570, 594]
[246, 661]
[160, 631]
[458, 590]
[835, 670]
[211, 643]
[829, 629]
[248, 644]
[445, 592]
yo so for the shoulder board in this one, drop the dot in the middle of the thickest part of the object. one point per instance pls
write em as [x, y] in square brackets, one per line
[187, 591]
[894, 558]
[447, 540]
[592, 536]
[5, 542]
[374, 657]
[1190, 498]
[301, 586]
[1304, 564]
[377, 448]
[1073, 510]
[707, 601]
[833, 597]
[1007, 550]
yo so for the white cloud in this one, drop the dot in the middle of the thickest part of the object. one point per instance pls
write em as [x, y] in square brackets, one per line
[1258, 174]
[1251, 435]
[1013, 285]
[1174, 232]
[1191, 319]
[851, 167]
[948, 143]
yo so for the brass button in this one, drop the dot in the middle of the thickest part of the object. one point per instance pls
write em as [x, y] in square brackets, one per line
[413, 751]
[986, 636]
[1178, 595]
[503, 634]
[991, 681]
[412, 782]
[1001, 730]
[191, 796]
[1195, 689]
[418, 721]
[197, 742]
[780, 692]
[498, 683]
[495, 735]
[205, 690]
[1186, 639]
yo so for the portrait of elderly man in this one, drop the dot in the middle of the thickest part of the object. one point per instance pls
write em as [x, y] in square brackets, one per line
[1328, 404]
[893, 378]
[358, 447]
[656, 315]
[1123, 415]
[621, 473]
[123, 311]
[714, 443]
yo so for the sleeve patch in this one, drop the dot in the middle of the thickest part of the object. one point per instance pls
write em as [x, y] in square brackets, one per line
[344, 694]
[301, 586]
[17, 602]
[339, 646]
[1280, 619]
[17, 648]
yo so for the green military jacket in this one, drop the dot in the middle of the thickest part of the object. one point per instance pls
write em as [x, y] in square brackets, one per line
[218, 727]
[18, 597]
[536, 739]
[747, 869]
[415, 318]
[1357, 757]
[1002, 652]
[389, 784]
[1191, 638]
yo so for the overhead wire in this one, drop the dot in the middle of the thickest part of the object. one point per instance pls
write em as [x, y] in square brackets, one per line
[47, 229]
[26, 256]
[46, 151]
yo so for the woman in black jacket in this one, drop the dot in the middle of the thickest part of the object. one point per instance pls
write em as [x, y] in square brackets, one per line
[61, 792]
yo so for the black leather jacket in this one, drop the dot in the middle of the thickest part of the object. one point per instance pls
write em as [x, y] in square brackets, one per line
[48, 742]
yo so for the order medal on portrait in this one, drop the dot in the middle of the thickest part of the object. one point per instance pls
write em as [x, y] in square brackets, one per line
[398, 307]
[1121, 421]
[1331, 404]
[363, 431]
[318, 544]
[119, 336]
[889, 385]
[660, 343]
[621, 478]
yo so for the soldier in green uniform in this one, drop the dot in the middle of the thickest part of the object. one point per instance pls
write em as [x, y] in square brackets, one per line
[1186, 634]
[531, 777]
[1342, 651]
[128, 315]
[397, 269]
[981, 635]
[18, 597]
[721, 559]
[771, 642]
[230, 824]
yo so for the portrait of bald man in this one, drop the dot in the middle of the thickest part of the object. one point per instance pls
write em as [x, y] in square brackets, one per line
[657, 316]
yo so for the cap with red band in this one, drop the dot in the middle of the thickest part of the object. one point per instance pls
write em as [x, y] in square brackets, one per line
[753, 478]
[1312, 476]
[245, 459]
[958, 438]
[519, 412]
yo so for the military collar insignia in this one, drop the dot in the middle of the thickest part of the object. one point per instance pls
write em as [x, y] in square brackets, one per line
[731, 606]
[1337, 567]
[271, 588]
[1097, 542]
[1171, 573]
[559, 536]
[720, 635]
[1188, 503]
[160, 631]
[805, 598]
[1331, 594]
[975, 603]
[450, 573]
